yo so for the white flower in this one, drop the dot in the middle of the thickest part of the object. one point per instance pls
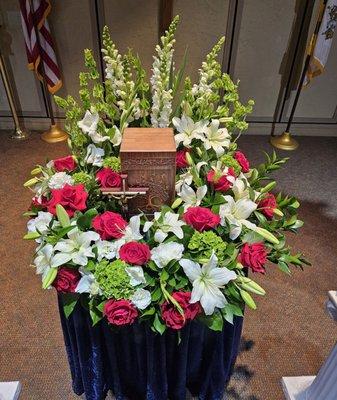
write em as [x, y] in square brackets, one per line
[166, 252]
[136, 275]
[117, 138]
[188, 130]
[47, 259]
[241, 188]
[141, 298]
[191, 197]
[89, 122]
[216, 138]
[237, 213]
[96, 137]
[207, 281]
[106, 249]
[132, 231]
[40, 223]
[77, 247]
[170, 223]
[94, 155]
[187, 177]
[58, 180]
[88, 283]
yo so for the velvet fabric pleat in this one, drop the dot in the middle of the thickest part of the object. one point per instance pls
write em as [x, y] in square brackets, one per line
[137, 364]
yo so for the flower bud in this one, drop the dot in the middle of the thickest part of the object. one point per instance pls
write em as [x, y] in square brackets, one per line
[176, 203]
[189, 159]
[247, 298]
[267, 235]
[49, 278]
[62, 216]
[31, 182]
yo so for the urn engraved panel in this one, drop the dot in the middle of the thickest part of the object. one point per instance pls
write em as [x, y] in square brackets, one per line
[148, 157]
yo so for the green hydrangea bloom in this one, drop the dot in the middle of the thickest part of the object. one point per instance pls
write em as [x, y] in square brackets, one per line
[83, 177]
[113, 279]
[112, 162]
[204, 243]
[229, 161]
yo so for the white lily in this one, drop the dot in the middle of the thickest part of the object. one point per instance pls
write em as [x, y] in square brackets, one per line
[47, 259]
[132, 231]
[89, 122]
[40, 223]
[166, 252]
[106, 249]
[141, 298]
[96, 137]
[78, 246]
[187, 177]
[136, 275]
[191, 197]
[88, 283]
[170, 223]
[94, 155]
[207, 282]
[188, 130]
[60, 179]
[215, 138]
[117, 138]
[237, 213]
[241, 188]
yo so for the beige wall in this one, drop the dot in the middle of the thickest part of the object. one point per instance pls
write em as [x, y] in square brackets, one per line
[261, 33]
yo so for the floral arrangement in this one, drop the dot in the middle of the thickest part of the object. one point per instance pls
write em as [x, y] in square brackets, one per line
[191, 260]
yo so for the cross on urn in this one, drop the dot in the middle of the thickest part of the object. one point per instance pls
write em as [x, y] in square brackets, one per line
[148, 164]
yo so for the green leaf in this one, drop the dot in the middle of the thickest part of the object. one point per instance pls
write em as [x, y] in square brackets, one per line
[158, 325]
[95, 315]
[214, 321]
[69, 302]
[84, 221]
[157, 294]
[31, 235]
[284, 267]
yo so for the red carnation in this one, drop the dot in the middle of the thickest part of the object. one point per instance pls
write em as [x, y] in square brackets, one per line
[223, 182]
[181, 161]
[242, 160]
[201, 218]
[135, 253]
[108, 178]
[109, 225]
[172, 317]
[66, 280]
[64, 164]
[253, 256]
[120, 312]
[72, 198]
[267, 205]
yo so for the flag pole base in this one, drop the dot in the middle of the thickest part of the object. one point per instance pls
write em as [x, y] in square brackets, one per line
[54, 134]
[284, 142]
[20, 134]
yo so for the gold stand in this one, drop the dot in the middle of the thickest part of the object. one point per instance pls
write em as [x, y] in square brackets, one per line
[54, 134]
[284, 142]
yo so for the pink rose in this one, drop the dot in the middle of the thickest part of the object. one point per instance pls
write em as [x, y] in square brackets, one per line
[221, 183]
[108, 178]
[64, 164]
[72, 198]
[267, 205]
[120, 312]
[181, 161]
[242, 160]
[109, 225]
[201, 218]
[253, 256]
[135, 253]
[172, 317]
[66, 280]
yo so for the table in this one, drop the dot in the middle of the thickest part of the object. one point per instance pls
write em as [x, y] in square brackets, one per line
[137, 364]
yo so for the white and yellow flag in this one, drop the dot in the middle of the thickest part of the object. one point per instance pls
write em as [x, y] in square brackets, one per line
[320, 53]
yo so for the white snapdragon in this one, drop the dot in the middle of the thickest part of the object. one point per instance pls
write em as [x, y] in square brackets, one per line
[188, 130]
[166, 252]
[136, 275]
[190, 197]
[216, 138]
[207, 282]
[77, 248]
[141, 298]
[164, 224]
[60, 179]
[94, 155]
[237, 214]
[88, 283]
[89, 122]
[47, 258]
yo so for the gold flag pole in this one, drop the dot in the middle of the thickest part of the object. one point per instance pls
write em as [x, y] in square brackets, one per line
[54, 133]
[19, 133]
[286, 141]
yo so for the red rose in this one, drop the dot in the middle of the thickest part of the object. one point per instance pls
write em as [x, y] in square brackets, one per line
[253, 256]
[72, 198]
[39, 202]
[66, 280]
[108, 178]
[242, 160]
[267, 205]
[120, 312]
[109, 225]
[221, 183]
[135, 253]
[201, 218]
[172, 317]
[64, 164]
[181, 161]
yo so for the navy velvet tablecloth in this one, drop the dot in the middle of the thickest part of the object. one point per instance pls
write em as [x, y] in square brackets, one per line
[137, 364]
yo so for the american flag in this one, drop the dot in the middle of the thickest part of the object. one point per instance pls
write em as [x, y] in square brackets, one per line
[33, 22]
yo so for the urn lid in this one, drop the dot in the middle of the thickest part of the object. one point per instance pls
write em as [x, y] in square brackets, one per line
[145, 140]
